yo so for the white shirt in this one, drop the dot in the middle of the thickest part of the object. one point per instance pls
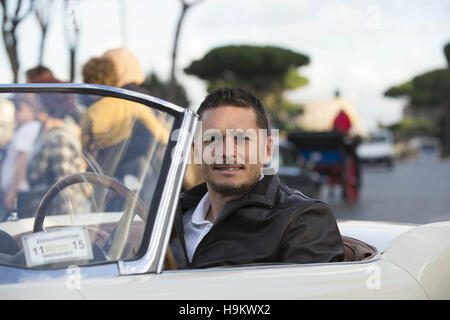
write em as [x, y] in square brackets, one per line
[196, 226]
[22, 141]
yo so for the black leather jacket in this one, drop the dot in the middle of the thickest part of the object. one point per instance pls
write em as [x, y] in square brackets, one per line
[272, 223]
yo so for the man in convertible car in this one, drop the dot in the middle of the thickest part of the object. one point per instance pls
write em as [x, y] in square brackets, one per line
[240, 216]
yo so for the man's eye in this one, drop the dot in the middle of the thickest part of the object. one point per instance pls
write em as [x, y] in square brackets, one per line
[209, 140]
[241, 138]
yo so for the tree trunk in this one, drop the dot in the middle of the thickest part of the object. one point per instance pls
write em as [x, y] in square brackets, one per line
[42, 46]
[11, 49]
[72, 64]
[173, 81]
[446, 131]
[9, 27]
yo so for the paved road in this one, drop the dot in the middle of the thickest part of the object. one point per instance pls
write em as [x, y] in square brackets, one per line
[416, 192]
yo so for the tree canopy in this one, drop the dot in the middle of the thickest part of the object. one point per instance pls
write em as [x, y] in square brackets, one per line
[429, 89]
[266, 71]
[260, 68]
[174, 93]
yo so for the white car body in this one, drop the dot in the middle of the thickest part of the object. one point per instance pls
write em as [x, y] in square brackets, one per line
[412, 261]
[379, 148]
[396, 272]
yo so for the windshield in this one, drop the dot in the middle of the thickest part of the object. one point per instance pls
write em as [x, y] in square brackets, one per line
[78, 177]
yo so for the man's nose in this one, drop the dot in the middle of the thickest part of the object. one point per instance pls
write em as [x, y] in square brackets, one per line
[229, 148]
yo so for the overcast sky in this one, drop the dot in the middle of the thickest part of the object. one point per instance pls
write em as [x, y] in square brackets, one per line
[360, 47]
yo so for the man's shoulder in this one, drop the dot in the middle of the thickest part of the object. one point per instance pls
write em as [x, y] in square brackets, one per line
[297, 201]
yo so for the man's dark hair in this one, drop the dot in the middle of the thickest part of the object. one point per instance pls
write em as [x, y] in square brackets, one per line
[237, 97]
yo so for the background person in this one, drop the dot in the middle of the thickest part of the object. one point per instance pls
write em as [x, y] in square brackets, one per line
[56, 154]
[120, 133]
[14, 186]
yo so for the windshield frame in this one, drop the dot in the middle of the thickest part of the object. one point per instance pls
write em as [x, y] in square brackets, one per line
[151, 254]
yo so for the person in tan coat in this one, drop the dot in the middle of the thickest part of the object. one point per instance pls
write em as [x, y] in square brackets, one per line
[104, 127]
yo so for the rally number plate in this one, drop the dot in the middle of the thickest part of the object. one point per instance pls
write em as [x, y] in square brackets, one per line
[57, 245]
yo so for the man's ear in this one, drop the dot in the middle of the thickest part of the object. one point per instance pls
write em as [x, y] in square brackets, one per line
[265, 149]
[269, 149]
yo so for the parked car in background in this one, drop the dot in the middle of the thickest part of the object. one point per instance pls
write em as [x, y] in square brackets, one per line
[293, 171]
[377, 148]
[425, 147]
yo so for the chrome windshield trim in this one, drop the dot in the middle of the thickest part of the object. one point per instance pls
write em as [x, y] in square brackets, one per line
[153, 259]
[92, 89]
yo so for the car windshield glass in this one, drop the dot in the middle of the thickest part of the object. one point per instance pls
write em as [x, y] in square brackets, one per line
[78, 178]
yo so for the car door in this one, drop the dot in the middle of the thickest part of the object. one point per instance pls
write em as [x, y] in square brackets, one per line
[106, 210]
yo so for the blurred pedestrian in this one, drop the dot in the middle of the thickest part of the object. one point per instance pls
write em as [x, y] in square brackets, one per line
[56, 154]
[112, 125]
[100, 70]
[7, 124]
[131, 77]
[14, 187]
[120, 133]
[42, 74]
[127, 68]
[342, 122]
[97, 70]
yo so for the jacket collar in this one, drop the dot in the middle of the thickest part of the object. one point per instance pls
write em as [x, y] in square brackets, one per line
[262, 194]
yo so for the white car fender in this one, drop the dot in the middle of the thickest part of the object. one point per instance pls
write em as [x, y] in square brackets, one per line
[424, 252]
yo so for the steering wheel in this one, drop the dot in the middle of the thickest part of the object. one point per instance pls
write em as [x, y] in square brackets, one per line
[123, 226]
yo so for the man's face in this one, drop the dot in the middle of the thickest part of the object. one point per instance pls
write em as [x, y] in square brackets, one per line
[237, 166]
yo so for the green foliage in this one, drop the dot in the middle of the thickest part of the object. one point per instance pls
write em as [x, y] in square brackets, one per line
[243, 62]
[266, 71]
[398, 91]
[447, 53]
[413, 126]
[293, 80]
[281, 116]
[426, 90]
[431, 88]
[161, 89]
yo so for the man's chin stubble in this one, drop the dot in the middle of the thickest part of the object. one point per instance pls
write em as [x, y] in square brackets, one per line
[228, 190]
[231, 190]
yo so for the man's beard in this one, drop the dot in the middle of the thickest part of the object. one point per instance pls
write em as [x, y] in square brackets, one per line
[233, 190]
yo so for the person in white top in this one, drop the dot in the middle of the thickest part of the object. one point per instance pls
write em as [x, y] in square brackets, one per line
[13, 169]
